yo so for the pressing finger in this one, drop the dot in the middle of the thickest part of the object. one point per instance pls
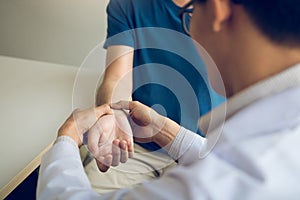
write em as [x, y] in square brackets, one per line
[102, 110]
[121, 105]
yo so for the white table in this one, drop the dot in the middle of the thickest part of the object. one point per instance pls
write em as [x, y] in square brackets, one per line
[36, 98]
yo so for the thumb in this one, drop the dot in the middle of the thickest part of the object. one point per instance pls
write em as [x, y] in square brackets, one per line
[85, 119]
[102, 110]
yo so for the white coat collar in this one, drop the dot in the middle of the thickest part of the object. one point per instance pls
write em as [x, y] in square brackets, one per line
[214, 120]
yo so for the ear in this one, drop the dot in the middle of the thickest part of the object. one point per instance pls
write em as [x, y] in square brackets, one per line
[222, 11]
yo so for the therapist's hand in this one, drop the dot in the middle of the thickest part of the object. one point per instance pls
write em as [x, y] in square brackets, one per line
[147, 125]
[110, 140]
[80, 121]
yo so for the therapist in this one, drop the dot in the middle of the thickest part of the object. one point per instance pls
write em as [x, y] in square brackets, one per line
[257, 52]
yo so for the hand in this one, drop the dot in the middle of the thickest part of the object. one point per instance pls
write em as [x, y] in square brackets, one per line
[147, 125]
[145, 122]
[110, 140]
[81, 121]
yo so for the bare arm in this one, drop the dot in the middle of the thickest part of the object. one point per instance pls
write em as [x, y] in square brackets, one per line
[117, 81]
[116, 85]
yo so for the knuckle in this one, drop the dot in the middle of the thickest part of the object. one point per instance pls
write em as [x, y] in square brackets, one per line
[135, 103]
[106, 107]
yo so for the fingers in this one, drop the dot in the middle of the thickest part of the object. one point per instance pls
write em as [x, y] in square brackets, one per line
[119, 154]
[127, 105]
[130, 149]
[104, 163]
[124, 152]
[102, 110]
[85, 119]
[116, 153]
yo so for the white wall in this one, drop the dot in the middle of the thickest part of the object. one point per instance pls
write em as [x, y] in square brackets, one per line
[56, 31]
[36, 97]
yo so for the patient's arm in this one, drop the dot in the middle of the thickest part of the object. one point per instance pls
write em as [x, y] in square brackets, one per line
[116, 86]
[117, 80]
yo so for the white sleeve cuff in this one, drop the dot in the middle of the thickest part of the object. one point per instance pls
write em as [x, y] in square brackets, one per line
[66, 139]
[186, 146]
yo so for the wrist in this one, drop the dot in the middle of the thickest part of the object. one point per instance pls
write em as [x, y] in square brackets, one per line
[102, 101]
[69, 129]
[166, 132]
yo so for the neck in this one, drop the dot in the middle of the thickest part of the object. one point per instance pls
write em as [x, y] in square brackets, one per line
[180, 3]
[262, 64]
[253, 58]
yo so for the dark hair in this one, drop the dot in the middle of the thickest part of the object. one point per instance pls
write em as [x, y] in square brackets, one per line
[277, 19]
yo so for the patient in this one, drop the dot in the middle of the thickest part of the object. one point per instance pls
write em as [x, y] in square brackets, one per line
[256, 47]
[160, 75]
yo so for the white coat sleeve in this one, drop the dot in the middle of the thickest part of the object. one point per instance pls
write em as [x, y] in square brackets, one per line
[62, 175]
[186, 147]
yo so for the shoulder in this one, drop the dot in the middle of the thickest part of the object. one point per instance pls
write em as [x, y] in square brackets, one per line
[275, 112]
[126, 3]
[136, 4]
[114, 4]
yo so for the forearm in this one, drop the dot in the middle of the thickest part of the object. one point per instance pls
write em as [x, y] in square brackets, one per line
[182, 145]
[117, 80]
[105, 92]
[167, 131]
[61, 174]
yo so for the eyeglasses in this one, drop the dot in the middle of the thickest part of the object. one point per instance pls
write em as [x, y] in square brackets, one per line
[185, 13]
